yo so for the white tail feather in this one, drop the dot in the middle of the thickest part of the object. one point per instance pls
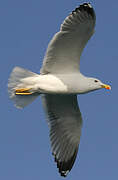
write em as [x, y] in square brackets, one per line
[15, 82]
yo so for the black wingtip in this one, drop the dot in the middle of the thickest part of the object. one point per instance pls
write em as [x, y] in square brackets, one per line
[65, 166]
[85, 7]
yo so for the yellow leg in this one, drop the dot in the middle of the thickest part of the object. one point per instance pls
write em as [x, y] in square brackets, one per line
[23, 91]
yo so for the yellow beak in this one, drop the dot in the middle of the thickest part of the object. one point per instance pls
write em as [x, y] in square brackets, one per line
[106, 86]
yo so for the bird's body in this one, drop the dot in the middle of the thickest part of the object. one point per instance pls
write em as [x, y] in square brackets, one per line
[58, 83]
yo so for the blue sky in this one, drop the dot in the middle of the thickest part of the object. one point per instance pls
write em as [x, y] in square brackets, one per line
[26, 27]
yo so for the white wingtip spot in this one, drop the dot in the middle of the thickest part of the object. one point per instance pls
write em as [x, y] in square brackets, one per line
[89, 5]
[65, 172]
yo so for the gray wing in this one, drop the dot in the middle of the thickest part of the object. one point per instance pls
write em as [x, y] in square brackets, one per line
[64, 50]
[65, 122]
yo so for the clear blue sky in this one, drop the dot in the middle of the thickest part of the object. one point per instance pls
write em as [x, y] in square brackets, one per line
[26, 27]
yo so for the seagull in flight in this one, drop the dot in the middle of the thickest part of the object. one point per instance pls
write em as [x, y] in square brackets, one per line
[59, 83]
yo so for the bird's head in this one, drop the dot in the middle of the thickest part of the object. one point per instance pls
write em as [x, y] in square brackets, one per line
[94, 84]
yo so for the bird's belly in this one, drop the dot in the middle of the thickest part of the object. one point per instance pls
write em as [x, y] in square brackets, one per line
[50, 84]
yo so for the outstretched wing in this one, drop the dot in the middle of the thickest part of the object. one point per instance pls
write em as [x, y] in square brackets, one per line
[64, 50]
[65, 122]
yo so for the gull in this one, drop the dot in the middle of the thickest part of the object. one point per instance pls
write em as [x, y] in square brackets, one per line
[59, 83]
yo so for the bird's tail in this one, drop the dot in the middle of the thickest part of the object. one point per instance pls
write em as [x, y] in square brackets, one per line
[20, 87]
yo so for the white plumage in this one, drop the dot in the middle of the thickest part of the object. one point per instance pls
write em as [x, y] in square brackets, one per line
[59, 83]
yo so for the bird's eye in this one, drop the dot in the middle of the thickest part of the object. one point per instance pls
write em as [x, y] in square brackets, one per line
[95, 80]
